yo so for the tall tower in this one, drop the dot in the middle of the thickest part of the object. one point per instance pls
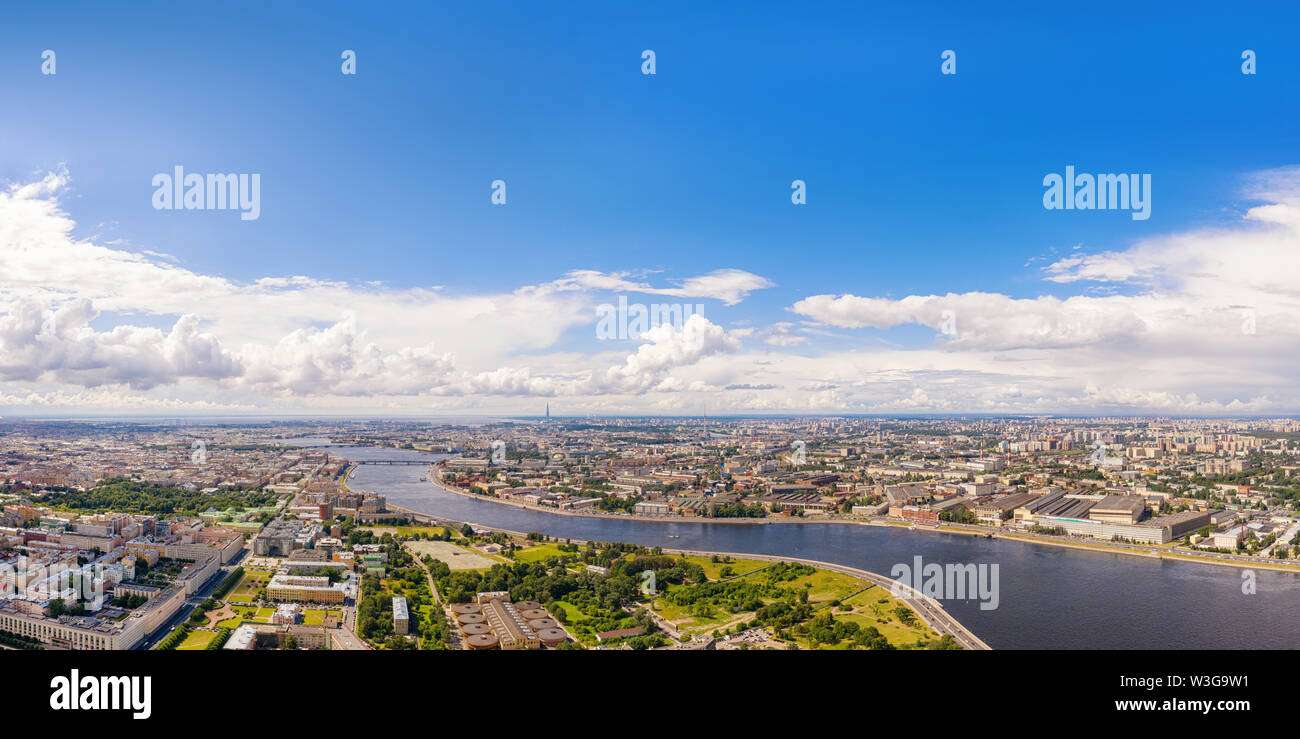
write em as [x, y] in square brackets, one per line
[548, 411]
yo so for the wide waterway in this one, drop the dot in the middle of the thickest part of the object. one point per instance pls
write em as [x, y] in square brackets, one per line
[1049, 597]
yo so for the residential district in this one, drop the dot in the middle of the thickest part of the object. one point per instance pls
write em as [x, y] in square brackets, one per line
[239, 536]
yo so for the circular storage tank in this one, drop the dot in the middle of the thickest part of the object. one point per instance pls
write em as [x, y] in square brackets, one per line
[533, 613]
[481, 641]
[466, 608]
[551, 637]
[472, 629]
[527, 605]
[470, 618]
[542, 624]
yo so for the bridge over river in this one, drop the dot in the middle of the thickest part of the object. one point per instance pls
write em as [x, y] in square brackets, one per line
[421, 462]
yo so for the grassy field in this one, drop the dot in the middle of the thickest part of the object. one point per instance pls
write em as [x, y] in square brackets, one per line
[197, 640]
[539, 553]
[247, 613]
[719, 619]
[824, 586]
[316, 616]
[248, 584]
[872, 607]
[713, 570]
[875, 607]
[571, 611]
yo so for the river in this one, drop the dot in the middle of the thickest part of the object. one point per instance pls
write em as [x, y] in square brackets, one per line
[1049, 597]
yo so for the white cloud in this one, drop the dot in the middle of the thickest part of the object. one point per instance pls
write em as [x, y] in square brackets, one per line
[40, 343]
[665, 349]
[727, 285]
[1165, 334]
[339, 361]
[1203, 321]
[285, 338]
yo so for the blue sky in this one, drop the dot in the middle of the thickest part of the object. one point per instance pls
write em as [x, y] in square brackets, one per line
[918, 183]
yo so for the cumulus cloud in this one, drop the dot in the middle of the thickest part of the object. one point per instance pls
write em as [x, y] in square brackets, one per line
[665, 349]
[339, 361]
[38, 342]
[992, 321]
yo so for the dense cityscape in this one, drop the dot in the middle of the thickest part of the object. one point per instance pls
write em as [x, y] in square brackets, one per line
[118, 535]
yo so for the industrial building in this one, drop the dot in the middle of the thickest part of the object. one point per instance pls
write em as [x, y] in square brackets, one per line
[1121, 509]
[996, 511]
[401, 616]
[493, 622]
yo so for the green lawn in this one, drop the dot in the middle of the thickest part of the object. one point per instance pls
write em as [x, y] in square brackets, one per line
[250, 582]
[316, 616]
[824, 585]
[692, 624]
[713, 570]
[539, 553]
[242, 614]
[871, 607]
[571, 612]
[875, 607]
[197, 640]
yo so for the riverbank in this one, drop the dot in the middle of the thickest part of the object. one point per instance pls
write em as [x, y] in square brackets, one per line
[1152, 554]
[1098, 546]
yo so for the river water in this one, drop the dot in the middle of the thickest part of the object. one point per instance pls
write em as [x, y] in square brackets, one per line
[1048, 597]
